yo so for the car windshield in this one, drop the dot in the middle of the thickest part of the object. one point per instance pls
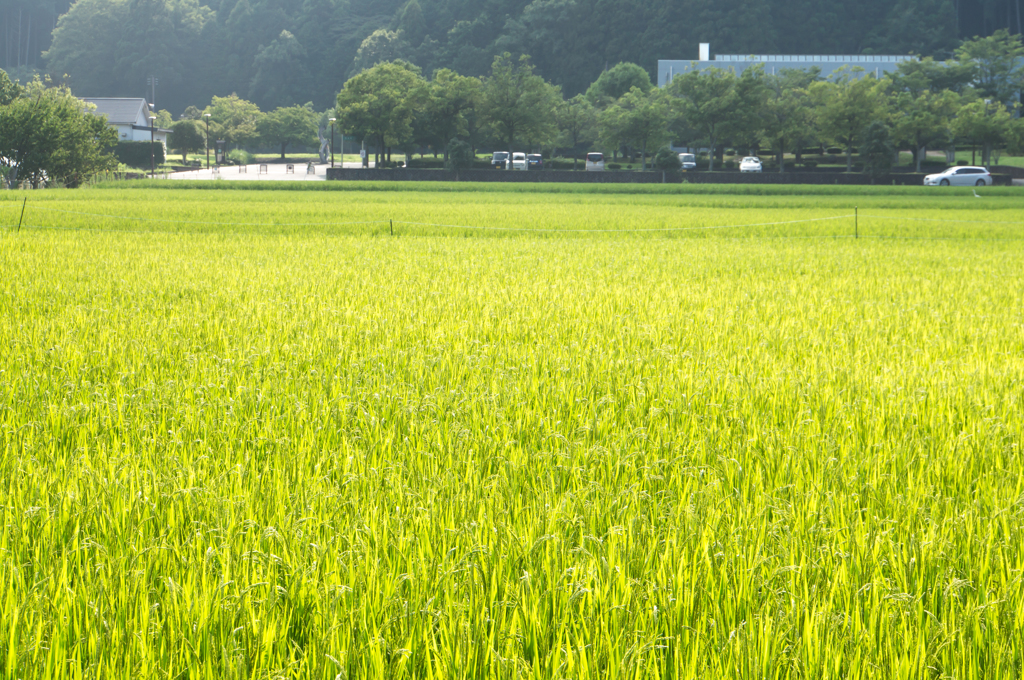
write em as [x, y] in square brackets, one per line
[750, 159]
[500, 155]
[595, 157]
[686, 157]
[534, 156]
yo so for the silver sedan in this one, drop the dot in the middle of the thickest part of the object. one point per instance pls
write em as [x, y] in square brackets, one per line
[961, 175]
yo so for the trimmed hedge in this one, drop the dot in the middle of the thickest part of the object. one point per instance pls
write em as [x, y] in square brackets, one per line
[136, 154]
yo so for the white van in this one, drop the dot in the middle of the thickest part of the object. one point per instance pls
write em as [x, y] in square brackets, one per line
[688, 161]
[518, 162]
[595, 161]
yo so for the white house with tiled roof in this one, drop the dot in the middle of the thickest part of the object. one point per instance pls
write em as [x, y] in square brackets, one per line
[130, 117]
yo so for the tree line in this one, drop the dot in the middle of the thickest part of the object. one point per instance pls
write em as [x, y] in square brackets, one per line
[46, 134]
[279, 53]
[924, 104]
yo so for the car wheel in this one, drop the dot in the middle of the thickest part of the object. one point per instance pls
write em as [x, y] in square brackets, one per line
[980, 183]
[944, 182]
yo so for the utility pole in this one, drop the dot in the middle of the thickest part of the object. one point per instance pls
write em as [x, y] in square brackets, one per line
[207, 117]
[152, 143]
[152, 81]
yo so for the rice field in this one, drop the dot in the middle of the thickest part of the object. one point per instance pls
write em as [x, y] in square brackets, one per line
[650, 432]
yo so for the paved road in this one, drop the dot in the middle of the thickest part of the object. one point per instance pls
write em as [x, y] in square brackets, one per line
[274, 172]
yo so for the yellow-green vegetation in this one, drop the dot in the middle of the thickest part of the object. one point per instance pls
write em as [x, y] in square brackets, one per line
[255, 450]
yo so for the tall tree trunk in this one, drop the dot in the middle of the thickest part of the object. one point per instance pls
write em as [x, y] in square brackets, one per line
[711, 155]
[782, 158]
[921, 151]
[283, 145]
[849, 157]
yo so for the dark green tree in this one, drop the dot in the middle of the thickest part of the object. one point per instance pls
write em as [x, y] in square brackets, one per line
[517, 104]
[998, 63]
[450, 99]
[612, 84]
[280, 79]
[706, 101]
[877, 149]
[577, 120]
[186, 138]
[289, 125]
[380, 103]
[47, 136]
[460, 155]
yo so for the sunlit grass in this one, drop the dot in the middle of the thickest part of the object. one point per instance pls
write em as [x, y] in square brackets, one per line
[260, 451]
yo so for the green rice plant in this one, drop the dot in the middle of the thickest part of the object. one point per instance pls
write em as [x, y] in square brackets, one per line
[240, 439]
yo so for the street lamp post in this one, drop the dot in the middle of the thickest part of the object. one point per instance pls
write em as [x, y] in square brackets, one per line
[207, 117]
[152, 144]
[332, 141]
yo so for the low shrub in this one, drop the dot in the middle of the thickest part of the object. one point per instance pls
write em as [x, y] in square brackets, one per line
[241, 157]
[460, 155]
[666, 159]
[614, 166]
[137, 154]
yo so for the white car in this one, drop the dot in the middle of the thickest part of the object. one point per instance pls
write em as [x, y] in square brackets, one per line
[688, 161]
[960, 175]
[595, 161]
[518, 162]
[750, 164]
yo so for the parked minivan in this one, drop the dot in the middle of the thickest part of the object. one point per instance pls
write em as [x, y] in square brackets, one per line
[518, 161]
[688, 161]
[499, 161]
[595, 161]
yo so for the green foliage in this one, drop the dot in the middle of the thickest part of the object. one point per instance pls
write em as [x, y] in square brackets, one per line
[187, 137]
[614, 83]
[923, 121]
[998, 63]
[380, 47]
[47, 136]
[708, 102]
[234, 120]
[577, 121]
[518, 105]
[450, 104]
[877, 149]
[380, 104]
[666, 160]
[280, 79]
[786, 113]
[983, 123]
[637, 120]
[289, 125]
[241, 157]
[280, 53]
[460, 155]
[9, 90]
[846, 106]
[140, 155]
[916, 27]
